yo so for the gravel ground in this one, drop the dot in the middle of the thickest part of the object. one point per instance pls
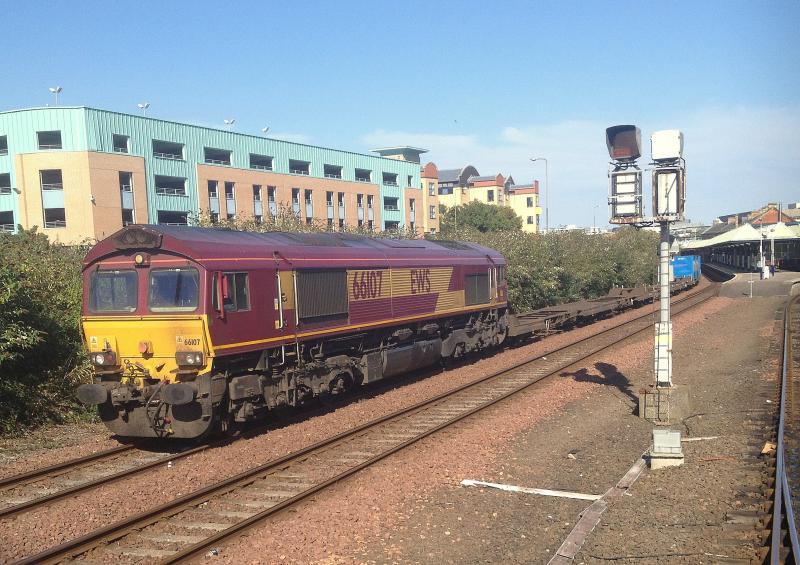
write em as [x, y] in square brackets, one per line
[34, 531]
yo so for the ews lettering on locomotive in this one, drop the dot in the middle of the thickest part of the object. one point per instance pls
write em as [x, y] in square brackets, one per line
[367, 285]
[420, 281]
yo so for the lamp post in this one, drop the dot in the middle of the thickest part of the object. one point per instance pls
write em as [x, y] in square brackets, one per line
[265, 131]
[56, 90]
[229, 123]
[546, 190]
[594, 219]
[143, 106]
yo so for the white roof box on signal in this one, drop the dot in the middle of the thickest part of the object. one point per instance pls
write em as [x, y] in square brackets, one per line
[666, 145]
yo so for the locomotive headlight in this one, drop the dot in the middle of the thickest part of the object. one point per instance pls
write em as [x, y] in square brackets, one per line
[104, 358]
[189, 358]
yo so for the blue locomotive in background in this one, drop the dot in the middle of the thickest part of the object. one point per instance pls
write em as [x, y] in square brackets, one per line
[686, 267]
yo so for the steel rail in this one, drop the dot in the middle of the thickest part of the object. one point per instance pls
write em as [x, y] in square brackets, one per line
[120, 529]
[782, 501]
[99, 481]
[30, 475]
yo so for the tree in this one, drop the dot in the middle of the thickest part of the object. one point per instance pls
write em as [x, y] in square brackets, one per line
[480, 216]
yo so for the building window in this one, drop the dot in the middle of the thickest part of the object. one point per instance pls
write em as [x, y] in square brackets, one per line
[126, 197]
[299, 167]
[432, 231]
[120, 143]
[309, 221]
[529, 201]
[125, 182]
[370, 224]
[172, 218]
[256, 193]
[412, 205]
[231, 216]
[360, 200]
[49, 139]
[410, 180]
[7, 221]
[213, 186]
[296, 200]
[360, 223]
[309, 196]
[261, 162]
[259, 218]
[363, 175]
[341, 223]
[170, 186]
[330, 223]
[369, 201]
[530, 220]
[127, 217]
[214, 217]
[333, 171]
[3, 145]
[5, 183]
[431, 189]
[412, 226]
[217, 156]
[270, 194]
[167, 150]
[392, 226]
[340, 199]
[390, 203]
[432, 212]
[329, 198]
[490, 195]
[230, 190]
[55, 218]
[51, 179]
[390, 179]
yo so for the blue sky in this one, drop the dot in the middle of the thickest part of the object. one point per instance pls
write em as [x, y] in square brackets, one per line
[483, 83]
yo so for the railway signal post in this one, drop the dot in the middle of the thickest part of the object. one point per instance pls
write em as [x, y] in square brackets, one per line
[627, 208]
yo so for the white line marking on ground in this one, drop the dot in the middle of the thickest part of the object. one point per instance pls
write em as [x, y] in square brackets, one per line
[528, 490]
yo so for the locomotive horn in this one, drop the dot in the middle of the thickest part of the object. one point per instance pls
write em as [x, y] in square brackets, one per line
[92, 394]
[179, 393]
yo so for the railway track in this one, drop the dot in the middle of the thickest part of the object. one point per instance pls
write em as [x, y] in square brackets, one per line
[784, 546]
[188, 525]
[23, 492]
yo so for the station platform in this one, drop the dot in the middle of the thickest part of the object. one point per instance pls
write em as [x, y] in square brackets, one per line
[742, 284]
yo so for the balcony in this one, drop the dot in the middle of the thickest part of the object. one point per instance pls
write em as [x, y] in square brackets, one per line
[363, 175]
[217, 156]
[299, 167]
[260, 162]
[170, 186]
[168, 150]
[333, 172]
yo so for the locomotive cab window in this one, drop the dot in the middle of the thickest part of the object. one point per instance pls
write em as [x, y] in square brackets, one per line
[174, 290]
[113, 291]
[235, 292]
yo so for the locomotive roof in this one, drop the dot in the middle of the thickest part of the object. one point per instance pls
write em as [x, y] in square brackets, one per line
[210, 244]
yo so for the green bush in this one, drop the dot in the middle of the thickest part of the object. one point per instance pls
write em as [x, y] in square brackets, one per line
[42, 357]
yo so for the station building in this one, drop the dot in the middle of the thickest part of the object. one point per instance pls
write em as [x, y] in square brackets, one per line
[82, 173]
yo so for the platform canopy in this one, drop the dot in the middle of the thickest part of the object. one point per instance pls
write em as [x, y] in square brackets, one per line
[748, 234]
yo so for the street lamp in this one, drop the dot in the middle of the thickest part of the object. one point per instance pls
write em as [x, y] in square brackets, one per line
[265, 131]
[143, 106]
[229, 123]
[56, 90]
[546, 190]
[594, 219]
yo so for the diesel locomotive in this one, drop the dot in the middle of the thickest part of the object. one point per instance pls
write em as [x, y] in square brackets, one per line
[192, 330]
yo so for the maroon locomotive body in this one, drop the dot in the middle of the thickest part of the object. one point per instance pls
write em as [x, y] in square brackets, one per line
[191, 329]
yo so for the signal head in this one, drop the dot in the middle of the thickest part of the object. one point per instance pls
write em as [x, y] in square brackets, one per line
[624, 143]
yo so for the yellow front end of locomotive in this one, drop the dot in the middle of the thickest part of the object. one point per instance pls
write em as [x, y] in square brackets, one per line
[167, 348]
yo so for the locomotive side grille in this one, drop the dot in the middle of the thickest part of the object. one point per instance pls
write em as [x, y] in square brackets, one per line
[321, 295]
[476, 289]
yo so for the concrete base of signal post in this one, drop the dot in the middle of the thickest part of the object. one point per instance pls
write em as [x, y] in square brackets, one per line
[664, 406]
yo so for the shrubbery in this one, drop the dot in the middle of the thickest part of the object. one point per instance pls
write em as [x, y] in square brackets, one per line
[42, 358]
[41, 354]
